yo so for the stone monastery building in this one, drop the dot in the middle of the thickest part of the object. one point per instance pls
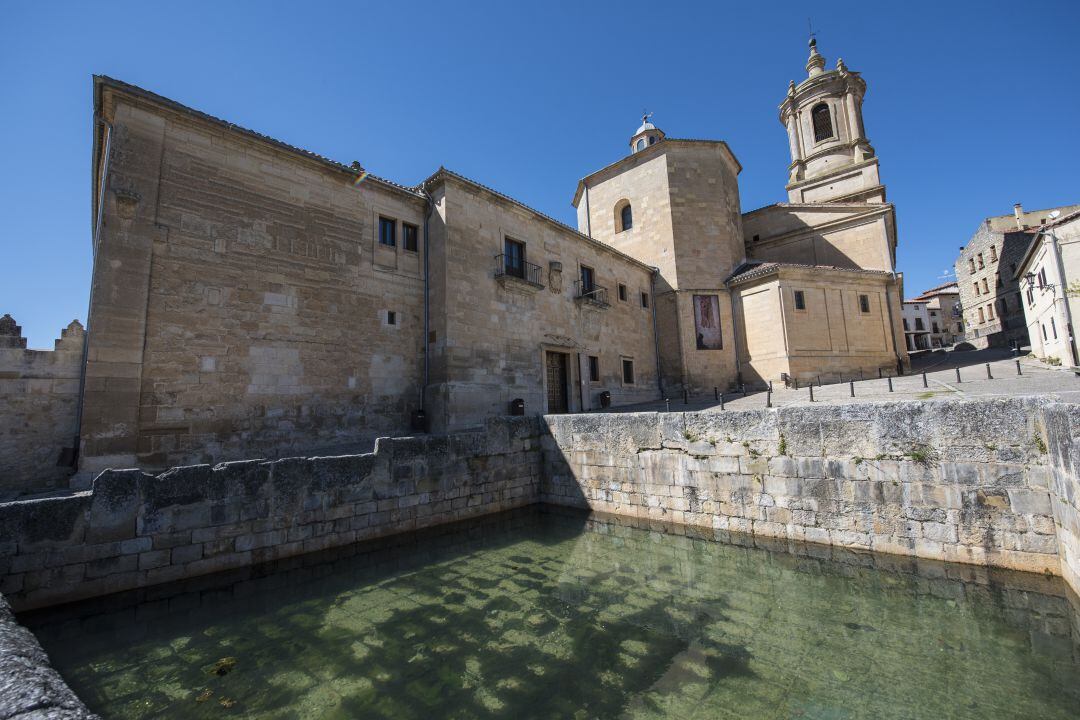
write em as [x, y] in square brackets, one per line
[250, 298]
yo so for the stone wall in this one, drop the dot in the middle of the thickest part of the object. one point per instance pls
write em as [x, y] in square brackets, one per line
[493, 333]
[955, 481]
[29, 686]
[1058, 425]
[39, 394]
[133, 529]
[240, 300]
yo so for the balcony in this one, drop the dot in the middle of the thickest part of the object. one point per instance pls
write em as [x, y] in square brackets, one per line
[591, 294]
[517, 271]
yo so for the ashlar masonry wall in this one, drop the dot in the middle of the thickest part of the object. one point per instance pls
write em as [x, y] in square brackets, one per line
[133, 529]
[39, 392]
[957, 481]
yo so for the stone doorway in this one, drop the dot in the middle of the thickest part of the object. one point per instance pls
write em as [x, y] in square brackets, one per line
[557, 398]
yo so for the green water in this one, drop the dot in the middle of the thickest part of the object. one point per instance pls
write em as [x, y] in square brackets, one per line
[548, 614]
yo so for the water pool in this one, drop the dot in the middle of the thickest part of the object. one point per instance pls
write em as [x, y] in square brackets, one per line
[544, 613]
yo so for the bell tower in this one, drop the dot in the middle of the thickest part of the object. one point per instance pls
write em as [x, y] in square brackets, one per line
[831, 157]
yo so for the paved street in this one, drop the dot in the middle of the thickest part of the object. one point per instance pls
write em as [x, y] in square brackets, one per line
[1036, 378]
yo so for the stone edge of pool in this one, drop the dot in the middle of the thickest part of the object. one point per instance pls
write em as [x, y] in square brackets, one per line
[29, 686]
[905, 478]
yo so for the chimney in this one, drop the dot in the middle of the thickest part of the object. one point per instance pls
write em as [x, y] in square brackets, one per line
[1018, 211]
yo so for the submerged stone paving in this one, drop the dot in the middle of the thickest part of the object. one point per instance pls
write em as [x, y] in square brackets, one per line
[546, 615]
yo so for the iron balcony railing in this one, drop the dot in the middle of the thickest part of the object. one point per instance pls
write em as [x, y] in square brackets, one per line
[591, 293]
[508, 266]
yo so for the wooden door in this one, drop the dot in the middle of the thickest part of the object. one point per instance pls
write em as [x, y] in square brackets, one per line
[556, 383]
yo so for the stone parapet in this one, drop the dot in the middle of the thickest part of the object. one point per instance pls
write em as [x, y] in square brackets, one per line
[133, 529]
[956, 481]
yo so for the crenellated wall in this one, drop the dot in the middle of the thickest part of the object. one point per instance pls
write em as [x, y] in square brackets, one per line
[133, 529]
[39, 395]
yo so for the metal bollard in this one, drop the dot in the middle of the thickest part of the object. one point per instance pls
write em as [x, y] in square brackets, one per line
[770, 386]
[796, 383]
[958, 375]
[768, 399]
[851, 385]
[988, 375]
[685, 397]
[743, 388]
[811, 392]
[819, 381]
[890, 384]
[879, 373]
[721, 401]
[716, 392]
[1018, 370]
[924, 379]
[667, 401]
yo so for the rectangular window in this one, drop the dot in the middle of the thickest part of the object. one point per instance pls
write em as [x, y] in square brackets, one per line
[800, 300]
[971, 265]
[906, 328]
[993, 254]
[1042, 278]
[627, 372]
[975, 285]
[1043, 326]
[982, 316]
[935, 326]
[387, 232]
[411, 235]
[864, 303]
[391, 317]
[645, 300]
[1053, 327]
[514, 258]
[622, 292]
[986, 287]
[990, 311]
[919, 324]
[588, 279]
[594, 368]
[1030, 297]
[981, 263]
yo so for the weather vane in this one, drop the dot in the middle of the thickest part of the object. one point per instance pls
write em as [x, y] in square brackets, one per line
[810, 27]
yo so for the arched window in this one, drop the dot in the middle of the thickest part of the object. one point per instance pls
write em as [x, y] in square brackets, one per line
[641, 144]
[624, 216]
[822, 122]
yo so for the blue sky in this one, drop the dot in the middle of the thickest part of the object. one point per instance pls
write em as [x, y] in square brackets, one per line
[971, 106]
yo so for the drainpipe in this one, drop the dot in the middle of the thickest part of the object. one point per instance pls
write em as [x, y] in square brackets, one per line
[77, 440]
[735, 332]
[1064, 294]
[427, 300]
[892, 327]
[588, 212]
[652, 306]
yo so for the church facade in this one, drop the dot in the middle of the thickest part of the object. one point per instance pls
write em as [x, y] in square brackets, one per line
[250, 298]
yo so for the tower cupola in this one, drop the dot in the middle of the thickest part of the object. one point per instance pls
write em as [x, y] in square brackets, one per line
[646, 135]
[831, 157]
